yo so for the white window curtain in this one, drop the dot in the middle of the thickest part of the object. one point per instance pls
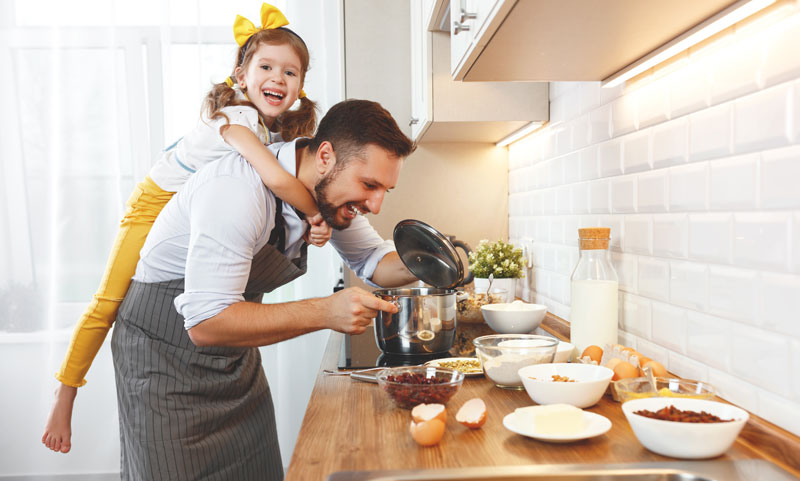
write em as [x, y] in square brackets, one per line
[91, 91]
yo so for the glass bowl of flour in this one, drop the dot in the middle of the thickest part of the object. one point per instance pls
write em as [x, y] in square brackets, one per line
[503, 355]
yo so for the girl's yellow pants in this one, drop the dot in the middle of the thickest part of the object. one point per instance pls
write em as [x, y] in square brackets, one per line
[141, 211]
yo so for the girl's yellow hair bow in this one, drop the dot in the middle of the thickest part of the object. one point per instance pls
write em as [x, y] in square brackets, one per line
[271, 18]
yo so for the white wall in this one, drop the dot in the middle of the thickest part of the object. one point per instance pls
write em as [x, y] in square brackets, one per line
[695, 167]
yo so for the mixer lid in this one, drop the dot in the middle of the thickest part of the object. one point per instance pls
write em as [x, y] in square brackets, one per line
[428, 254]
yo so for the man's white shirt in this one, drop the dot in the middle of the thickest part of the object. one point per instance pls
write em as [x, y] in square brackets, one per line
[212, 227]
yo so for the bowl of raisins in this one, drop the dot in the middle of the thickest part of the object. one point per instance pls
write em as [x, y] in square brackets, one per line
[409, 386]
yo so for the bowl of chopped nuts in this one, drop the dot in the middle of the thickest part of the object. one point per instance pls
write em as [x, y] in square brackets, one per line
[581, 385]
[685, 428]
[409, 386]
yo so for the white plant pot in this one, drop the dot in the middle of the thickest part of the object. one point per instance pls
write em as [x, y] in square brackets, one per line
[508, 284]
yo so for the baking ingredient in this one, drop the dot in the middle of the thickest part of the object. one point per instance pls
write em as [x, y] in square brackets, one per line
[593, 316]
[671, 413]
[594, 352]
[552, 419]
[427, 433]
[503, 369]
[624, 370]
[472, 413]
[658, 369]
[409, 389]
[426, 412]
[612, 363]
[467, 366]
[643, 360]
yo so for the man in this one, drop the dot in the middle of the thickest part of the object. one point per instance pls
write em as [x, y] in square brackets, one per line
[193, 397]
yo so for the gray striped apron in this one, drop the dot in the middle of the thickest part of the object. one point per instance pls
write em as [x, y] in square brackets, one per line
[188, 412]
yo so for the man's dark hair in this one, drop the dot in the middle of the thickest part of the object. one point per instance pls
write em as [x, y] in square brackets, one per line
[352, 124]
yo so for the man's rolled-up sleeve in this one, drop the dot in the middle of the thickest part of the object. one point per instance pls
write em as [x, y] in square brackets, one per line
[227, 218]
[361, 248]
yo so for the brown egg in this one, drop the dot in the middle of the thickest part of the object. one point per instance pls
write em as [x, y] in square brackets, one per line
[612, 363]
[624, 370]
[426, 412]
[643, 360]
[427, 433]
[595, 353]
[658, 369]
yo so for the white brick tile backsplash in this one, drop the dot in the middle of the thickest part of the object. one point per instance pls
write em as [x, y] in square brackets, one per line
[761, 240]
[710, 132]
[654, 278]
[695, 168]
[651, 191]
[761, 359]
[623, 115]
[600, 120]
[688, 286]
[588, 167]
[625, 265]
[609, 157]
[732, 183]
[669, 326]
[579, 193]
[733, 389]
[734, 70]
[590, 96]
[636, 316]
[710, 237]
[599, 199]
[687, 187]
[781, 62]
[779, 410]
[708, 339]
[687, 368]
[671, 235]
[572, 168]
[636, 152]
[780, 170]
[671, 143]
[761, 120]
[638, 234]
[689, 91]
[779, 304]
[732, 293]
[653, 103]
[623, 194]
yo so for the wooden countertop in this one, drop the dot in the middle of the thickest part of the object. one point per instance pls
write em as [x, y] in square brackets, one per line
[353, 426]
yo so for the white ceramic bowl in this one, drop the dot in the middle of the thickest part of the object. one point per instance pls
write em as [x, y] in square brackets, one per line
[685, 440]
[564, 352]
[590, 383]
[513, 318]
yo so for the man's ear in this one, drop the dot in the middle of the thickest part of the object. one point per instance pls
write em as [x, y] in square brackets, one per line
[325, 157]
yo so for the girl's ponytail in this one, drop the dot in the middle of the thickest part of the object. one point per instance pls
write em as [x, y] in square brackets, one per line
[299, 123]
[221, 95]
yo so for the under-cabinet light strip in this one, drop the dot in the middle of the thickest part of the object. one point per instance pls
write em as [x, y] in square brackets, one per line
[518, 134]
[722, 20]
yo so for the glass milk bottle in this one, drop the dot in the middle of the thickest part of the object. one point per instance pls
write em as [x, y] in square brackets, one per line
[594, 284]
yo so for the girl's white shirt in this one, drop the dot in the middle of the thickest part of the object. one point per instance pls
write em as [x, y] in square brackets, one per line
[205, 144]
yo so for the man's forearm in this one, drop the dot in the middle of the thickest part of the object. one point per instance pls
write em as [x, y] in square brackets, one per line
[249, 324]
[391, 272]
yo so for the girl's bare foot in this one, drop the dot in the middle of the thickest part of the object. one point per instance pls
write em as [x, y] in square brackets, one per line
[58, 432]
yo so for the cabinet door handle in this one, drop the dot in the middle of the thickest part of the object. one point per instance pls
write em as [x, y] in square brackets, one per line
[460, 27]
[467, 16]
[413, 121]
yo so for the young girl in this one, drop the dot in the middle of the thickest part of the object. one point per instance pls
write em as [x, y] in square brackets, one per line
[239, 114]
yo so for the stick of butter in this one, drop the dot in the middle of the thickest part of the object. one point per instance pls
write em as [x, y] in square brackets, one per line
[558, 419]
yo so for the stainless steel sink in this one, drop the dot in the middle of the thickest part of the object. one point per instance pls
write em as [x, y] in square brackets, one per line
[740, 470]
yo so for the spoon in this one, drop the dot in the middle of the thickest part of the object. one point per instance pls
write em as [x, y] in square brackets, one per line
[489, 289]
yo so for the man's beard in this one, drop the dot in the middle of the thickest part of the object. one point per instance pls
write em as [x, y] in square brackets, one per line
[326, 208]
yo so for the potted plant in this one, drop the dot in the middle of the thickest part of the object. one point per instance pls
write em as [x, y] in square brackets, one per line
[502, 260]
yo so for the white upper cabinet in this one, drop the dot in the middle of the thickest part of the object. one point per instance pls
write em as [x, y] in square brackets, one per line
[447, 111]
[551, 40]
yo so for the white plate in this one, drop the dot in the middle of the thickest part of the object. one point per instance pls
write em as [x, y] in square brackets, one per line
[595, 426]
[437, 363]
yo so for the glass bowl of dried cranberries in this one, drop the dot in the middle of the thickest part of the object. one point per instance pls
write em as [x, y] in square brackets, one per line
[409, 386]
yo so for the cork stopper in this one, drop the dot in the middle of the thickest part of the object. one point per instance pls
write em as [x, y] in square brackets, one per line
[594, 238]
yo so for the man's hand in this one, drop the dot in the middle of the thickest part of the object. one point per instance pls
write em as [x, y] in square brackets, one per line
[319, 231]
[352, 309]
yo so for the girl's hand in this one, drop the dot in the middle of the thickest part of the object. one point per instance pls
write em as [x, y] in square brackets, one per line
[319, 231]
